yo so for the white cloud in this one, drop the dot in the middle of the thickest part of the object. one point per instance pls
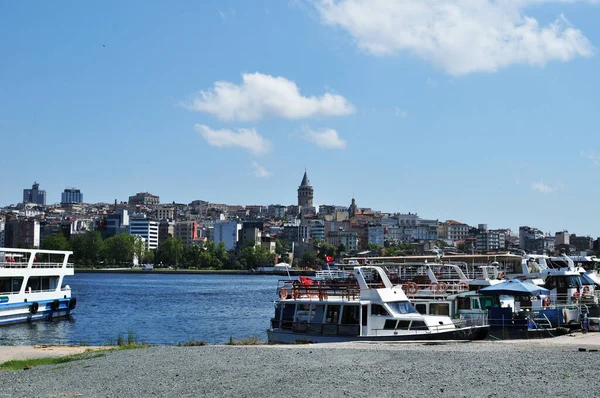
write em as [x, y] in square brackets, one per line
[260, 96]
[245, 138]
[457, 36]
[541, 187]
[227, 13]
[400, 112]
[324, 138]
[591, 156]
[259, 171]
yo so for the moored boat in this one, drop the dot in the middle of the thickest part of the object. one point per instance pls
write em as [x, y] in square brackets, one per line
[363, 307]
[31, 285]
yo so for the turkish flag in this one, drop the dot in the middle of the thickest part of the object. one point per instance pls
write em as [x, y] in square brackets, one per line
[329, 259]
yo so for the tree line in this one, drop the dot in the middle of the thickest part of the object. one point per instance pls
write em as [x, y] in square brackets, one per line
[90, 249]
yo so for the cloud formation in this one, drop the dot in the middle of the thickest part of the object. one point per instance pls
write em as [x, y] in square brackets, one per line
[543, 188]
[324, 138]
[457, 36]
[248, 139]
[260, 96]
[259, 171]
[591, 156]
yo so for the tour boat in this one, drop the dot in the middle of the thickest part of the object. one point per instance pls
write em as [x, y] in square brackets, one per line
[31, 285]
[364, 307]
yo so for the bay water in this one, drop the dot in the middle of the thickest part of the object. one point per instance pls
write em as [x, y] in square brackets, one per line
[159, 309]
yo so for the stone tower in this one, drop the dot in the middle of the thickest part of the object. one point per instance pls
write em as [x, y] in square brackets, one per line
[305, 192]
[352, 209]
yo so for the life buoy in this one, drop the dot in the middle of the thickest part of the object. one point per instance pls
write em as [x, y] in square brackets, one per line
[283, 294]
[438, 288]
[462, 286]
[72, 303]
[586, 290]
[33, 308]
[576, 295]
[412, 288]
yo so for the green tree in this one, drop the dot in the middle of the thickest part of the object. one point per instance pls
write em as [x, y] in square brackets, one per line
[56, 242]
[119, 248]
[254, 256]
[309, 259]
[375, 248]
[170, 251]
[341, 249]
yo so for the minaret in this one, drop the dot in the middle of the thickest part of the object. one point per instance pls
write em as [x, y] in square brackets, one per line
[305, 192]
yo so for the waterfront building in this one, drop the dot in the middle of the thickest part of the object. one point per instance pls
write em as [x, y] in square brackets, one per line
[71, 196]
[165, 213]
[186, 231]
[144, 198]
[561, 238]
[348, 238]
[316, 229]
[583, 244]
[166, 230]
[453, 231]
[227, 232]
[113, 224]
[276, 211]
[531, 239]
[22, 233]
[375, 235]
[305, 192]
[250, 235]
[147, 229]
[34, 195]
[489, 240]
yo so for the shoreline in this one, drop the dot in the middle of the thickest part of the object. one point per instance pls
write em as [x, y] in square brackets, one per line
[590, 340]
[192, 271]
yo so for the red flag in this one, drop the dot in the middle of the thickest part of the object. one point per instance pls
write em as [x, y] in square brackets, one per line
[329, 259]
[305, 280]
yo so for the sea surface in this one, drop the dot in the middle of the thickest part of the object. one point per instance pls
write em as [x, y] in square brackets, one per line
[162, 309]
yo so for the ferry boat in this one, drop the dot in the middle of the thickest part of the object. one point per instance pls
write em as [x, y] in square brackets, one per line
[31, 285]
[364, 307]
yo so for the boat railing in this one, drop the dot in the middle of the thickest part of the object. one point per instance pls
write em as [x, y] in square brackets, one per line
[436, 289]
[5, 264]
[322, 291]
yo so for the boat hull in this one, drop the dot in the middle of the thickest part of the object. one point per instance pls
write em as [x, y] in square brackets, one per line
[459, 334]
[46, 310]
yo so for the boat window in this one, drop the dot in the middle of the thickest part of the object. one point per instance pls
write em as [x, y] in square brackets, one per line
[403, 307]
[439, 309]
[317, 313]
[350, 315]
[10, 285]
[421, 308]
[365, 312]
[288, 316]
[463, 303]
[418, 325]
[487, 302]
[390, 324]
[377, 309]
[403, 325]
[333, 312]
[474, 304]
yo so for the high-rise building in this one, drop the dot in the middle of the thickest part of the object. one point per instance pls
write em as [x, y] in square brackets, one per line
[70, 196]
[305, 192]
[34, 195]
[145, 228]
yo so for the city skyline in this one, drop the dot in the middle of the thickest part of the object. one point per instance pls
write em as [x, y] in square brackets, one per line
[229, 101]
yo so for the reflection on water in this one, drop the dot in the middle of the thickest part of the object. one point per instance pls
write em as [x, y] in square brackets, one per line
[159, 309]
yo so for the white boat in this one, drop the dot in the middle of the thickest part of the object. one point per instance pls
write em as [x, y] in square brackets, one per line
[365, 308]
[31, 285]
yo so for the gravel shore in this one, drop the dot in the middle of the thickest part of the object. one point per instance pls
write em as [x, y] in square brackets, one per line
[474, 369]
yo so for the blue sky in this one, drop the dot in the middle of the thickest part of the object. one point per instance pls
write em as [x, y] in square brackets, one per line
[483, 112]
